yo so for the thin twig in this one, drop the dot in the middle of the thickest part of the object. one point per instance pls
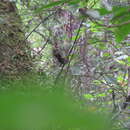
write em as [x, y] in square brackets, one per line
[43, 47]
[40, 34]
[71, 49]
[113, 100]
[43, 21]
[75, 41]
[59, 74]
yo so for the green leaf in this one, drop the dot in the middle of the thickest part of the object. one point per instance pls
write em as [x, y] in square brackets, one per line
[101, 46]
[121, 62]
[104, 11]
[101, 95]
[56, 3]
[88, 96]
[128, 61]
[121, 15]
[52, 4]
[119, 11]
[110, 90]
[120, 78]
[106, 54]
[82, 4]
[121, 32]
[73, 2]
[97, 82]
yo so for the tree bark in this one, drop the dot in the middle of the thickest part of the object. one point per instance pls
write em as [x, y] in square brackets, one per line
[14, 51]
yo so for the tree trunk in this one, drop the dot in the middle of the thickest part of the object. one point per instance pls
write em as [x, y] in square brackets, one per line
[14, 51]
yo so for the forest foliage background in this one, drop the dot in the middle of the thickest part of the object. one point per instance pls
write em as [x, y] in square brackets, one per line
[53, 48]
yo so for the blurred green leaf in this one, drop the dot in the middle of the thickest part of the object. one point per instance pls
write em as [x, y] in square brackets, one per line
[101, 95]
[121, 15]
[56, 3]
[27, 105]
[106, 54]
[88, 96]
[104, 11]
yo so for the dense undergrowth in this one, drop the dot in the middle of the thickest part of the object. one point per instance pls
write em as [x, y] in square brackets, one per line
[31, 103]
